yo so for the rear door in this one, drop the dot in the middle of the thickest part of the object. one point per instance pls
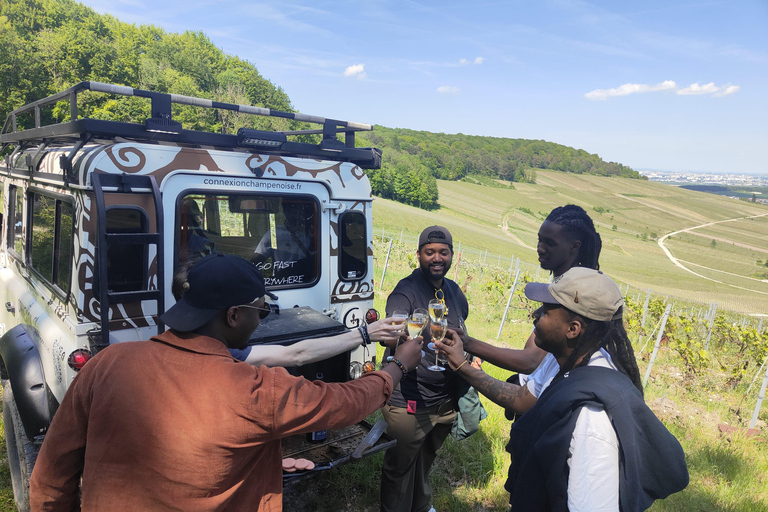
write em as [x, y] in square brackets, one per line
[280, 225]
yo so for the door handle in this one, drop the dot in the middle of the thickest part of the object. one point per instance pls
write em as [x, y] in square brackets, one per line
[9, 307]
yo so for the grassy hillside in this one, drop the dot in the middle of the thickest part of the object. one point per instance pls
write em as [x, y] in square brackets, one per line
[630, 215]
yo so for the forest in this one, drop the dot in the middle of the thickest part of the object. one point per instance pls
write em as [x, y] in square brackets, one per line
[425, 156]
[50, 45]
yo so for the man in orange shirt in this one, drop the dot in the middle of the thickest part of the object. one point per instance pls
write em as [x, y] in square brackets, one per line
[176, 423]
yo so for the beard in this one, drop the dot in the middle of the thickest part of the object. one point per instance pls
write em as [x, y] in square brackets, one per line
[436, 272]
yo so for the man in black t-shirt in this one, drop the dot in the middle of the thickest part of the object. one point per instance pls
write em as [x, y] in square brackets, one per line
[422, 409]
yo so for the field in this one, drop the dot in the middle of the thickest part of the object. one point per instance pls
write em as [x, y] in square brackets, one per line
[707, 402]
[630, 215]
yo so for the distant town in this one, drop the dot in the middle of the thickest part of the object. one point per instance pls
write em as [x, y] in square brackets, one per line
[745, 187]
[700, 178]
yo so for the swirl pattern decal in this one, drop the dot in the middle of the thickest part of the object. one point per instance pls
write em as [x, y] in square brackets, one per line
[128, 159]
[189, 159]
[354, 291]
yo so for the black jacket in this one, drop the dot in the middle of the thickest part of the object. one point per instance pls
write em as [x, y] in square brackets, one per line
[651, 461]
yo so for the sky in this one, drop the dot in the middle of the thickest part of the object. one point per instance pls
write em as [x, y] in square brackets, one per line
[669, 85]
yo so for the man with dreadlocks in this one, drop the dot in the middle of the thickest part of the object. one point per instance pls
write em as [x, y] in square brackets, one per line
[567, 239]
[589, 443]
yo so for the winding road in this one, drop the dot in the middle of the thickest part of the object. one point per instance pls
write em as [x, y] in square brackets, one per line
[679, 263]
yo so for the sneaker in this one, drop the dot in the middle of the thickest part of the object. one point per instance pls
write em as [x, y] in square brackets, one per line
[431, 509]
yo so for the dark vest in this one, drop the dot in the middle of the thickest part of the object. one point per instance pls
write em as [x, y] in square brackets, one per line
[651, 461]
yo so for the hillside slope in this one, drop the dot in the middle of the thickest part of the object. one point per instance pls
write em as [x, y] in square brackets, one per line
[631, 215]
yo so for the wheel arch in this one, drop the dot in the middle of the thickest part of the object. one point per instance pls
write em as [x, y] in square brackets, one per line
[22, 366]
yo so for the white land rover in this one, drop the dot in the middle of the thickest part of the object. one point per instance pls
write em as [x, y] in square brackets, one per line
[98, 215]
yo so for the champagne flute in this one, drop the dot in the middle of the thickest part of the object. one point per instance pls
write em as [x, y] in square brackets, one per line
[437, 309]
[400, 317]
[414, 324]
[417, 322]
[438, 329]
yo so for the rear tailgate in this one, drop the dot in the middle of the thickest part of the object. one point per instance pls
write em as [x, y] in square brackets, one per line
[335, 451]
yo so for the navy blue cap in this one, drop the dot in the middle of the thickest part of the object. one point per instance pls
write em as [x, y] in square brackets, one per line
[215, 283]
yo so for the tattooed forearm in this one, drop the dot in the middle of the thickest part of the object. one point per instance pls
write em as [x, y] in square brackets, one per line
[505, 394]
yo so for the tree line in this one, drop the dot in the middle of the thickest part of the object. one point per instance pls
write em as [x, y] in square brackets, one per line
[50, 45]
[428, 156]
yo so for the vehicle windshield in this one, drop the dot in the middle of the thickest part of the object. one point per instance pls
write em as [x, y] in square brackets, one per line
[278, 233]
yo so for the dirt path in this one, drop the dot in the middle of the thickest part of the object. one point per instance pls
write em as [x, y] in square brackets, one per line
[679, 263]
[517, 240]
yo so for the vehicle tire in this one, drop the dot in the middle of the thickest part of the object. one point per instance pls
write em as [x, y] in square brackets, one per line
[22, 453]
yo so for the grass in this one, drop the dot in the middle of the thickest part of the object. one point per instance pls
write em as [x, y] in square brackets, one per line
[6, 490]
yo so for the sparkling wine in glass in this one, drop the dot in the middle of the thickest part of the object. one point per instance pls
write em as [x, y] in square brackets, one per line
[437, 310]
[417, 321]
[400, 317]
[438, 329]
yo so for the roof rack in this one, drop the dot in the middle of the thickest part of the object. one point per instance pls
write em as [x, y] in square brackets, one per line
[161, 127]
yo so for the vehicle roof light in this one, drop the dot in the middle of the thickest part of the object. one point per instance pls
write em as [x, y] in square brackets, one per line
[162, 125]
[260, 138]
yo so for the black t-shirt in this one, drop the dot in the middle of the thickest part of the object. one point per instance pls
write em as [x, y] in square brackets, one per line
[425, 387]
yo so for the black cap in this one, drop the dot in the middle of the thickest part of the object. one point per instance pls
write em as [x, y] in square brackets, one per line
[435, 235]
[215, 283]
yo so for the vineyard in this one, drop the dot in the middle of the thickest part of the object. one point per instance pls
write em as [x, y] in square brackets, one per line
[705, 397]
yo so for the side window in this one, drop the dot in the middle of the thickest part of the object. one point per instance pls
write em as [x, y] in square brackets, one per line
[15, 219]
[18, 221]
[50, 250]
[127, 263]
[64, 248]
[353, 247]
[43, 234]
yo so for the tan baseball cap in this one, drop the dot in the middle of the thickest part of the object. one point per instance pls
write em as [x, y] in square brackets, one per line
[585, 291]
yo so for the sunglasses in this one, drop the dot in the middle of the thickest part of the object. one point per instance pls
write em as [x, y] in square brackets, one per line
[263, 312]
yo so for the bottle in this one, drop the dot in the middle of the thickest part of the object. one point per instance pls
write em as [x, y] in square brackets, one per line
[318, 436]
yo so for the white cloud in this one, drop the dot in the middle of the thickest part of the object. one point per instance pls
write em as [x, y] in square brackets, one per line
[357, 71]
[727, 90]
[667, 85]
[624, 90]
[448, 89]
[477, 60]
[709, 88]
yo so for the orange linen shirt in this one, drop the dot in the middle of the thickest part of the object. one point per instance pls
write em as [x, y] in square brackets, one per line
[175, 423]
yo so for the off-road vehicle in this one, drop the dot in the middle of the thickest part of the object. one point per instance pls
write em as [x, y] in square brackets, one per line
[97, 216]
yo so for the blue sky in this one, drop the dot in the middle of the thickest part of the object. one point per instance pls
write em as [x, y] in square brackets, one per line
[670, 85]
